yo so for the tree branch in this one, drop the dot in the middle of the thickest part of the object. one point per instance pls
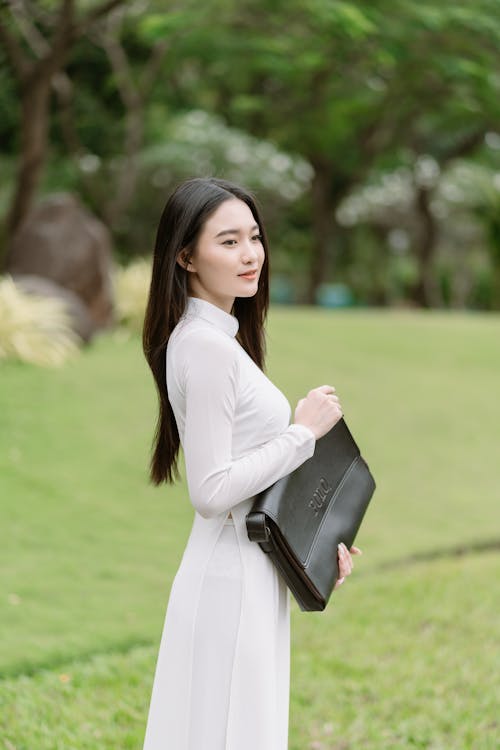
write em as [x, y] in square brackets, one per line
[63, 35]
[35, 40]
[95, 14]
[110, 41]
[153, 65]
[44, 17]
[464, 147]
[18, 60]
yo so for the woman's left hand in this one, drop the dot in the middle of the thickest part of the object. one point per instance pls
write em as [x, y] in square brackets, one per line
[345, 563]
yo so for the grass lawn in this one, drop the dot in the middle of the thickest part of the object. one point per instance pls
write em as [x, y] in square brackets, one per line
[405, 656]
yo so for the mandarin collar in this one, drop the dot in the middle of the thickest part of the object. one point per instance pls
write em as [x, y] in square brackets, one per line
[197, 307]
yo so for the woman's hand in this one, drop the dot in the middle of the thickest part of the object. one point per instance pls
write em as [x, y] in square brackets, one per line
[345, 563]
[320, 410]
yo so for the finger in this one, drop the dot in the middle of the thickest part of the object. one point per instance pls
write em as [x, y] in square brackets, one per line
[345, 563]
[326, 388]
[347, 568]
[339, 582]
[356, 551]
[348, 558]
[344, 572]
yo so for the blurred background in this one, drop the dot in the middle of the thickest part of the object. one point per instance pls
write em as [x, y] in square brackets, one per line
[369, 131]
[370, 134]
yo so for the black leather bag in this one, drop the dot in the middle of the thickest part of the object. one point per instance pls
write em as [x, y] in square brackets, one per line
[300, 519]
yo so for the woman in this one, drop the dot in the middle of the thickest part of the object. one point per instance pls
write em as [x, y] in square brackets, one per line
[223, 668]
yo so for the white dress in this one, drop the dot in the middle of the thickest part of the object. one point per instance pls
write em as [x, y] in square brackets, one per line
[222, 677]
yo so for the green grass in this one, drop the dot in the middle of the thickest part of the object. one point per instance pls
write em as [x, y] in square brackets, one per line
[405, 656]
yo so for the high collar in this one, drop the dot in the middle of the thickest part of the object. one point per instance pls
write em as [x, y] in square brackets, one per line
[198, 307]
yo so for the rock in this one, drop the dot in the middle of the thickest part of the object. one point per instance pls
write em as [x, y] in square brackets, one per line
[60, 240]
[81, 322]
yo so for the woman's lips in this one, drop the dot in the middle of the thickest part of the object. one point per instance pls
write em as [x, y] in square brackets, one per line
[249, 276]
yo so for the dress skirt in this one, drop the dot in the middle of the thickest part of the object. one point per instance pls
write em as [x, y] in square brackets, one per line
[215, 633]
[223, 670]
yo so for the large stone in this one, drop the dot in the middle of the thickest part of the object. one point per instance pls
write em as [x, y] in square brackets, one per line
[81, 322]
[61, 240]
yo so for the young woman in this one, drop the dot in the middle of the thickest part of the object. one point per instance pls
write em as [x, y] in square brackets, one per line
[223, 671]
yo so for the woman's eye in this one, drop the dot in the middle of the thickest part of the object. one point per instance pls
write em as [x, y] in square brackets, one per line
[255, 238]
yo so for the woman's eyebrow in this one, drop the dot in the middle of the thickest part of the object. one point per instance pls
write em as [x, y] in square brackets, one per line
[234, 231]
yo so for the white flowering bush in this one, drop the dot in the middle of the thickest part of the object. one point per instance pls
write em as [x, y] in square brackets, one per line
[33, 328]
[201, 143]
[131, 288]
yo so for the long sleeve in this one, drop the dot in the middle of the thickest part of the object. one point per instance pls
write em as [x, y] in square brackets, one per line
[216, 482]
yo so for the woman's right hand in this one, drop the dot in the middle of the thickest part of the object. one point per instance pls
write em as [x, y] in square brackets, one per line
[320, 410]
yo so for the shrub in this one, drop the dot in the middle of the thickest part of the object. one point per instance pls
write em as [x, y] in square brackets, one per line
[131, 287]
[33, 328]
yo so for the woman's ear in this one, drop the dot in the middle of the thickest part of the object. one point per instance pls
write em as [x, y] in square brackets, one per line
[182, 260]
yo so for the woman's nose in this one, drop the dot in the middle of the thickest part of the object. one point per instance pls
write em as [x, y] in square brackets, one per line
[250, 252]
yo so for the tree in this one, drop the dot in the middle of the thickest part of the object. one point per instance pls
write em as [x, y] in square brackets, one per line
[351, 87]
[37, 43]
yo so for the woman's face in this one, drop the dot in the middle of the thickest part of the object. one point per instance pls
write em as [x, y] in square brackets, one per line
[229, 245]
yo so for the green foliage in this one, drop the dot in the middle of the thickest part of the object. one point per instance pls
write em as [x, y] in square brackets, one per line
[156, 26]
[347, 68]
[97, 111]
[466, 246]
[351, 88]
[196, 143]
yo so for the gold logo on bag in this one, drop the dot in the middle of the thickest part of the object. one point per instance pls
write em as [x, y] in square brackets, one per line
[319, 496]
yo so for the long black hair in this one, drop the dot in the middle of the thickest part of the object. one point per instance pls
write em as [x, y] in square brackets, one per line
[181, 222]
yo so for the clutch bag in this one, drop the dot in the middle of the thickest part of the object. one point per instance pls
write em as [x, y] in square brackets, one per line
[300, 519]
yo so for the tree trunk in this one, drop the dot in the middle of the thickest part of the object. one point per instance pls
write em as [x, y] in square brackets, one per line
[425, 292]
[34, 78]
[495, 262]
[35, 100]
[126, 181]
[322, 227]
[328, 190]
